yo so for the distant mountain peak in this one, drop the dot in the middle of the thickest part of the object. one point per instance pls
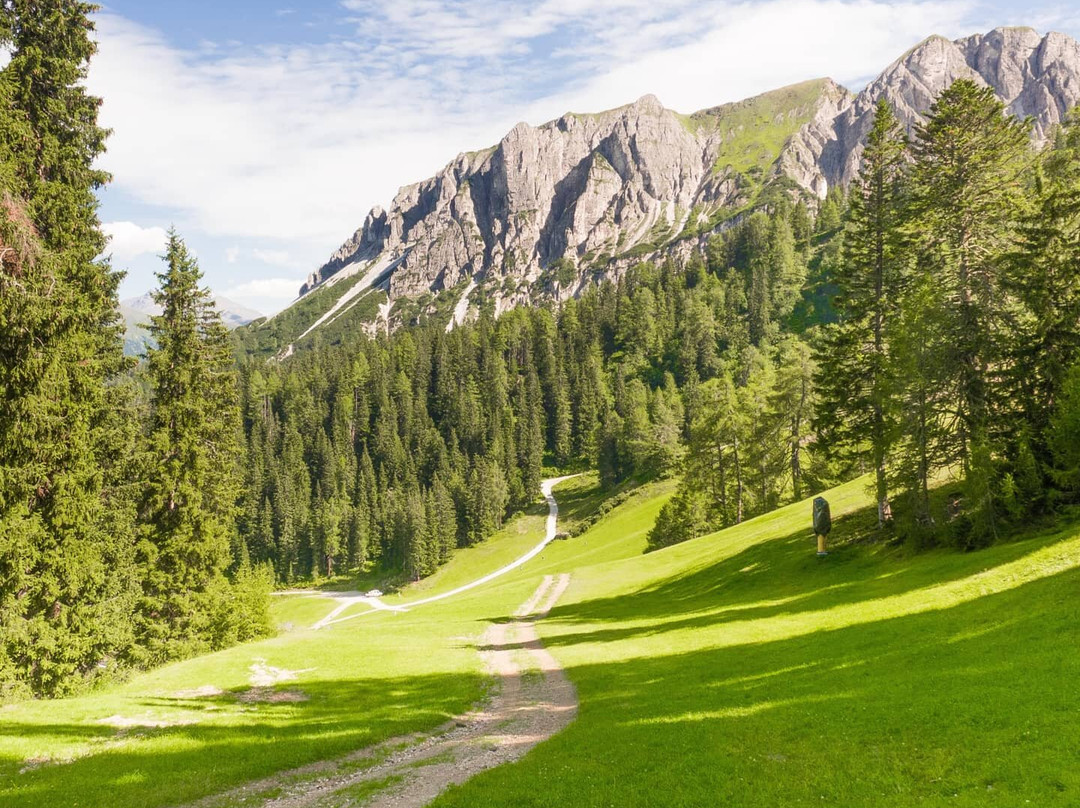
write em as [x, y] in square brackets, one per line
[137, 312]
[1034, 76]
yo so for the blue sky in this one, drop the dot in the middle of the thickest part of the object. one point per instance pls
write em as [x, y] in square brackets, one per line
[265, 131]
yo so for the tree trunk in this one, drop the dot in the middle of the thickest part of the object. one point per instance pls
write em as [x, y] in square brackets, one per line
[738, 486]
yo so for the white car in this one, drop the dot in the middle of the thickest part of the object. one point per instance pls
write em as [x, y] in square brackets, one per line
[374, 593]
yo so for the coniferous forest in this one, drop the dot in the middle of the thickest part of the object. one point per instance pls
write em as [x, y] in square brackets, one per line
[117, 483]
[922, 328]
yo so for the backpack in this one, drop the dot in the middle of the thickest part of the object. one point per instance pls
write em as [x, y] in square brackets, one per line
[822, 517]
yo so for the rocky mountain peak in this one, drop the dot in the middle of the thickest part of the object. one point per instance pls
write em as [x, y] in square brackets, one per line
[648, 105]
[551, 207]
[1034, 76]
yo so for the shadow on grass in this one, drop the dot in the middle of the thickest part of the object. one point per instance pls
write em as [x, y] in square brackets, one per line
[781, 576]
[583, 500]
[891, 710]
[973, 704]
[227, 743]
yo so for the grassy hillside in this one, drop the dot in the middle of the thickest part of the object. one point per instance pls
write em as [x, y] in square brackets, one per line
[754, 131]
[160, 741]
[739, 669]
[734, 669]
[378, 676]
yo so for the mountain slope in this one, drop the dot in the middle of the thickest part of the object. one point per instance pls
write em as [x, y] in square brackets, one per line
[550, 209]
[1036, 77]
[582, 188]
[137, 312]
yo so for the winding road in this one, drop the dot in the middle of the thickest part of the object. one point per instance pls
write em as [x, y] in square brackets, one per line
[348, 599]
[533, 701]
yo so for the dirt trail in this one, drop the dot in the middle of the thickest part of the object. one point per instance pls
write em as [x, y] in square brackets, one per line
[550, 532]
[525, 711]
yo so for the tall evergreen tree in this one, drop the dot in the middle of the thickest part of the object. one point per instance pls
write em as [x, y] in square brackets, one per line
[189, 505]
[965, 203]
[858, 402]
[918, 358]
[66, 572]
[793, 403]
[1044, 274]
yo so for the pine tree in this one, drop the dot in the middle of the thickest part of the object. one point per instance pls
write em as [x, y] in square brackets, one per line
[66, 569]
[918, 358]
[965, 203]
[1044, 274]
[715, 458]
[787, 270]
[682, 518]
[667, 414]
[765, 452]
[1063, 429]
[793, 402]
[189, 505]
[858, 404]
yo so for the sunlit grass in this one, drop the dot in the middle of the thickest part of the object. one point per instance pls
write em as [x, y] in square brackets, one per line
[740, 669]
[736, 669]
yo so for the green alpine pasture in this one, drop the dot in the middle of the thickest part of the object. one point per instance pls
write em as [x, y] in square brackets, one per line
[740, 669]
[755, 130]
[735, 669]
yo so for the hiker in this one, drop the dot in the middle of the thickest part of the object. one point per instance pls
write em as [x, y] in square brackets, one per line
[822, 524]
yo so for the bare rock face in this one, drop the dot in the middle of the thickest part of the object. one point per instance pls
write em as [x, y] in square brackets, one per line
[586, 195]
[801, 156]
[1032, 75]
[583, 189]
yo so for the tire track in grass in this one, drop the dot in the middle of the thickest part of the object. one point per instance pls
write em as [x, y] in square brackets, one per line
[411, 771]
[534, 701]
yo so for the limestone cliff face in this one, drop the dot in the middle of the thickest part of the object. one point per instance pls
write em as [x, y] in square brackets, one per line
[1034, 76]
[579, 185]
[584, 195]
[585, 189]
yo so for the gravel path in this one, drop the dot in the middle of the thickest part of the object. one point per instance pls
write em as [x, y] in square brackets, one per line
[377, 605]
[526, 710]
[411, 771]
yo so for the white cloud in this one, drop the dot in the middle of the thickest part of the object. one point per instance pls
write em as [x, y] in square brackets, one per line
[497, 28]
[277, 258]
[747, 48]
[266, 295]
[277, 288]
[271, 257]
[128, 240]
[279, 143]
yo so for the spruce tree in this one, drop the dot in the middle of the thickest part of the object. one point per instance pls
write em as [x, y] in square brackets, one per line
[189, 506]
[918, 358]
[1044, 274]
[858, 405]
[716, 454]
[794, 403]
[66, 521]
[965, 203]
[1063, 429]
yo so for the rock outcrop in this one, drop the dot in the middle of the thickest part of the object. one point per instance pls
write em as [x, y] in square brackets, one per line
[583, 189]
[1036, 77]
[551, 207]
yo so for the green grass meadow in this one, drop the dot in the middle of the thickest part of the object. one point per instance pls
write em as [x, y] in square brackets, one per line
[736, 669]
[740, 669]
